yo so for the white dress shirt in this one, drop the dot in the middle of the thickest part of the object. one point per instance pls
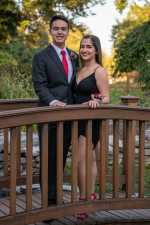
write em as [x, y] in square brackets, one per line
[70, 68]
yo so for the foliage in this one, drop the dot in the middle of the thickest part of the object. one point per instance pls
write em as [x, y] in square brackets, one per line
[15, 70]
[9, 19]
[15, 81]
[131, 44]
[121, 4]
[15, 52]
[24, 27]
[71, 8]
[136, 16]
[133, 53]
[30, 19]
[74, 38]
[36, 16]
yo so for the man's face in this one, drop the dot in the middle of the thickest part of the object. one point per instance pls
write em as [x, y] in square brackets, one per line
[59, 32]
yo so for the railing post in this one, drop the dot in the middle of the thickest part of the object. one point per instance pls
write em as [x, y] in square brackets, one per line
[129, 100]
[133, 102]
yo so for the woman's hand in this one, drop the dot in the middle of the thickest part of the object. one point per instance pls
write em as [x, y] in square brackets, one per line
[93, 104]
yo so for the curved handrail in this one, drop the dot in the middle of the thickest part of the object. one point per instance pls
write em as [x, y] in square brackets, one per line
[12, 118]
[10, 104]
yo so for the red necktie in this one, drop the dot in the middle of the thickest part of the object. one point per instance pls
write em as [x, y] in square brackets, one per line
[64, 62]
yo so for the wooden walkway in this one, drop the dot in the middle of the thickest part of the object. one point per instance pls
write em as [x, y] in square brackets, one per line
[118, 217]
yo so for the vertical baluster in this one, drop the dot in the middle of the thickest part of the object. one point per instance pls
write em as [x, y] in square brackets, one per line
[13, 170]
[129, 157]
[29, 168]
[124, 158]
[18, 152]
[88, 158]
[59, 163]
[141, 158]
[103, 147]
[74, 168]
[115, 158]
[107, 143]
[44, 165]
[6, 143]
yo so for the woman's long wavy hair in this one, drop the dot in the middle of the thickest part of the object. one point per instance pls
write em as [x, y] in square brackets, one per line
[97, 45]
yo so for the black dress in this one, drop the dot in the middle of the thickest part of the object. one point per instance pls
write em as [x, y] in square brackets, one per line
[82, 93]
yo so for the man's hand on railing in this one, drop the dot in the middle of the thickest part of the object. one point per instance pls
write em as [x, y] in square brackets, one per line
[57, 103]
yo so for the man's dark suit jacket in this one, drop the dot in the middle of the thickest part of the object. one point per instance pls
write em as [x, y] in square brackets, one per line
[49, 77]
[50, 84]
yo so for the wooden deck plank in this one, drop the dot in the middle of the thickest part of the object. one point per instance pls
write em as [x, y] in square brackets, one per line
[137, 214]
[35, 205]
[130, 214]
[4, 208]
[72, 218]
[6, 202]
[101, 217]
[144, 212]
[36, 201]
[56, 222]
[111, 217]
[1, 213]
[21, 203]
[66, 221]
[105, 216]
[118, 213]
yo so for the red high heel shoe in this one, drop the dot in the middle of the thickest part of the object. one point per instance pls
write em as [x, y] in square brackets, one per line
[93, 196]
[82, 216]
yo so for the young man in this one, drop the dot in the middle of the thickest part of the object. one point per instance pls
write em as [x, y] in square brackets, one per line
[53, 71]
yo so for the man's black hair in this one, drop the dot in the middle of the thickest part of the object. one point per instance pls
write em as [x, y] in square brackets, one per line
[58, 17]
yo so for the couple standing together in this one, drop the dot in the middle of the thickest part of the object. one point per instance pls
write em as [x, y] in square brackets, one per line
[62, 77]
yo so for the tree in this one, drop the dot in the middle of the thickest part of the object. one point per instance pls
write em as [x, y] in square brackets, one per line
[9, 19]
[122, 4]
[136, 16]
[131, 44]
[30, 18]
[25, 31]
[133, 53]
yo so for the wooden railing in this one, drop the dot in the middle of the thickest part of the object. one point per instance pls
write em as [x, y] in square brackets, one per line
[129, 120]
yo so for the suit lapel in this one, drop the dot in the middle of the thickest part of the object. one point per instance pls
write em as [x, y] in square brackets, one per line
[73, 65]
[54, 56]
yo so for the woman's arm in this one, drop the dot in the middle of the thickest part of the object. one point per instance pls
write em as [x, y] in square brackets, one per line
[102, 84]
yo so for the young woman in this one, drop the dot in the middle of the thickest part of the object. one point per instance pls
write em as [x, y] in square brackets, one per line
[91, 78]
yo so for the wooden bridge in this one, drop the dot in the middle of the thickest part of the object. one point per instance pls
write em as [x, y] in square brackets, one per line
[113, 202]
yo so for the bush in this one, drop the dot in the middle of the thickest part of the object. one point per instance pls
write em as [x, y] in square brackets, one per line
[16, 81]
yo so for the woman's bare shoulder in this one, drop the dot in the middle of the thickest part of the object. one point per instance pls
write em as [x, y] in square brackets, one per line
[101, 71]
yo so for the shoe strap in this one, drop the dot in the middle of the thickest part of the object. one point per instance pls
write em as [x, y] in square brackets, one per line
[93, 196]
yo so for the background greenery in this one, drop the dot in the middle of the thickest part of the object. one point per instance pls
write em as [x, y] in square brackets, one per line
[24, 26]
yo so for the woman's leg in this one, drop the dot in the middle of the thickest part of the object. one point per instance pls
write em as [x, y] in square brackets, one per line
[82, 174]
[82, 168]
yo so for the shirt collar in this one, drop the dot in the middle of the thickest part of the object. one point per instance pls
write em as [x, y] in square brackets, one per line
[57, 49]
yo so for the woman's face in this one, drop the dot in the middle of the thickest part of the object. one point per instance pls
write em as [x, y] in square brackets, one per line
[87, 50]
